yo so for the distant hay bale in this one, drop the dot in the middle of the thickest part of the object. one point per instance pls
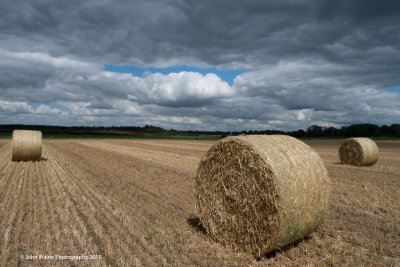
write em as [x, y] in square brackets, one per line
[359, 151]
[260, 193]
[26, 145]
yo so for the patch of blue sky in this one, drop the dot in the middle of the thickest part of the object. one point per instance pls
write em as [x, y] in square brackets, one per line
[34, 105]
[393, 89]
[57, 106]
[226, 75]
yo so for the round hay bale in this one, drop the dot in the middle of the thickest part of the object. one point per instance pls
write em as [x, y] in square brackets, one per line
[26, 145]
[359, 151]
[259, 193]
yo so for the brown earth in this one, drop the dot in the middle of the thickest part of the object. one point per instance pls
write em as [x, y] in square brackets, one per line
[131, 201]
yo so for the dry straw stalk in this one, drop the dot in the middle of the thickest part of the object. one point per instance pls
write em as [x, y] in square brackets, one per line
[26, 145]
[359, 151]
[259, 193]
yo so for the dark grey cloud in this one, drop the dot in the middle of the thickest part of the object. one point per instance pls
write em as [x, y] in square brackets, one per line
[306, 61]
[359, 11]
[212, 32]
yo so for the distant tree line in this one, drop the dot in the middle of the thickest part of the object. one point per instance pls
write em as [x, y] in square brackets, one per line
[314, 131]
[360, 130]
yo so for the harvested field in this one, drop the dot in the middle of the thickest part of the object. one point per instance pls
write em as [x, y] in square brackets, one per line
[131, 201]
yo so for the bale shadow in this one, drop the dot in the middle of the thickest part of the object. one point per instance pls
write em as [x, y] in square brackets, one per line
[42, 159]
[195, 223]
[288, 247]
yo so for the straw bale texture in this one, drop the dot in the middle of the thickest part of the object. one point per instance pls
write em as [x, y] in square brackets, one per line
[359, 151]
[26, 145]
[259, 193]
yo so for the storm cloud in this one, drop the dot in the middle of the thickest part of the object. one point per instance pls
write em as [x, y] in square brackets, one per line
[302, 62]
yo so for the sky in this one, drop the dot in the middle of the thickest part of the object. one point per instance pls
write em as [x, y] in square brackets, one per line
[200, 65]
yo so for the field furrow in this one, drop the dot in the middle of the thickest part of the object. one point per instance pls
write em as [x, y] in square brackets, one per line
[168, 159]
[98, 214]
[153, 214]
[187, 149]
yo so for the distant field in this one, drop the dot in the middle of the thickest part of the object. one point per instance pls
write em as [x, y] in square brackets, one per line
[131, 201]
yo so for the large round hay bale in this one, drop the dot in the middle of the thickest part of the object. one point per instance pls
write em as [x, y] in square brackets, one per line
[259, 193]
[26, 145]
[359, 151]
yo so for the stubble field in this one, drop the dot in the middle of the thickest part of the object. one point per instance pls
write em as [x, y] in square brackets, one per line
[131, 202]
